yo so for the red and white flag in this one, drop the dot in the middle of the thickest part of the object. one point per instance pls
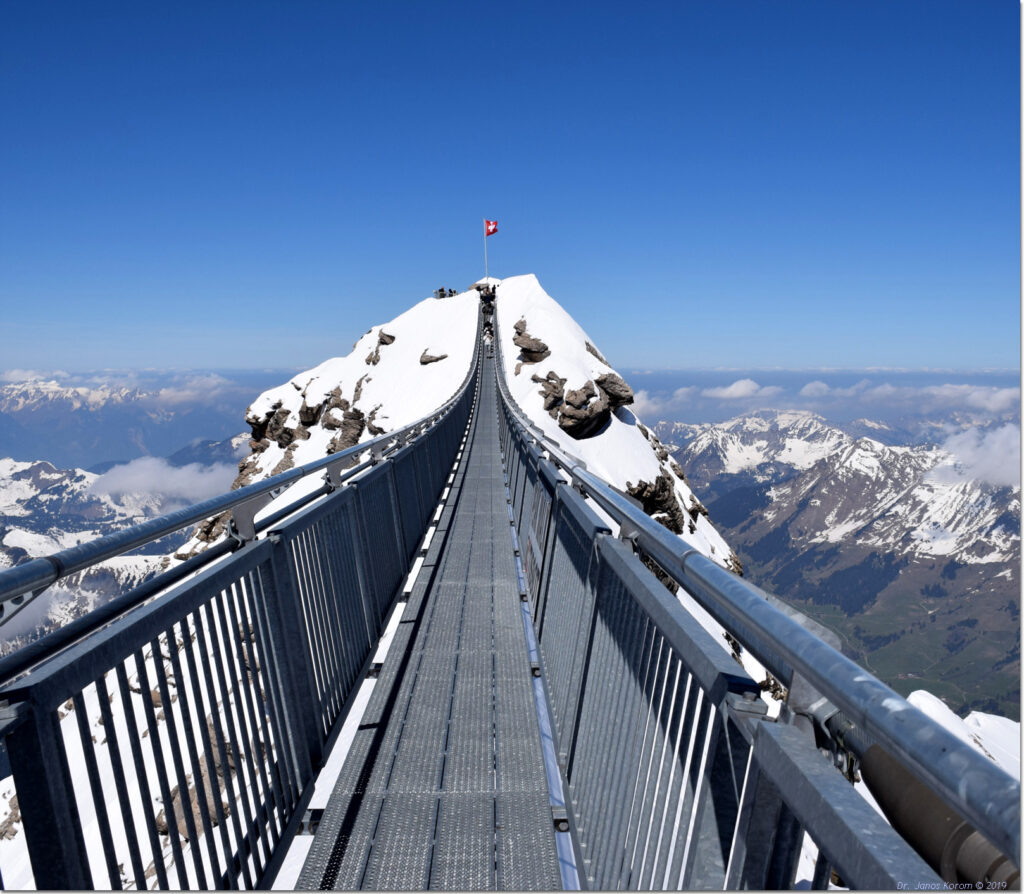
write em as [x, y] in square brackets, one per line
[490, 227]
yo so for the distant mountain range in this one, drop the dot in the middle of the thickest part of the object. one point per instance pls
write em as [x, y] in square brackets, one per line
[77, 426]
[44, 509]
[912, 562]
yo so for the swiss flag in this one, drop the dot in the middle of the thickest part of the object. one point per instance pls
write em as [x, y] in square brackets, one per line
[490, 227]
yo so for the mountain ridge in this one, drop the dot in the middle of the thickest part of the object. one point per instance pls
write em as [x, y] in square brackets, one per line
[913, 563]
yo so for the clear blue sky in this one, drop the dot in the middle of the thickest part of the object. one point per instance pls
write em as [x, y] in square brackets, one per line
[699, 183]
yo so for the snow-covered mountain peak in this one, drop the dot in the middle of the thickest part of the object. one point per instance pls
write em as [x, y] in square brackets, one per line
[396, 373]
[563, 382]
[37, 394]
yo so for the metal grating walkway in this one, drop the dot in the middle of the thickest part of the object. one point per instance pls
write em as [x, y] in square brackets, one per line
[444, 786]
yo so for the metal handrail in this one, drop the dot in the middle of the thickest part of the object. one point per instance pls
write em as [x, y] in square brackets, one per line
[986, 795]
[35, 576]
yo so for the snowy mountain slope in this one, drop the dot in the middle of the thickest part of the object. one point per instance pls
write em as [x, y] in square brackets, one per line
[834, 486]
[564, 384]
[756, 443]
[395, 374]
[44, 510]
[578, 399]
[913, 563]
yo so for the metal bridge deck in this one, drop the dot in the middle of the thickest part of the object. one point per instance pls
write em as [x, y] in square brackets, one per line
[444, 786]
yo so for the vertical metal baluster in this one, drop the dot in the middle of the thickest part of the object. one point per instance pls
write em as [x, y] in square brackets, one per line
[345, 607]
[273, 744]
[96, 787]
[114, 751]
[235, 724]
[684, 811]
[658, 798]
[332, 700]
[179, 766]
[237, 860]
[335, 614]
[675, 782]
[247, 682]
[701, 780]
[311, 630]
[197, 774]
[822, 873]
[651, 700]
[140, 771]
[617, 764]
[287, 762]
[158, 757]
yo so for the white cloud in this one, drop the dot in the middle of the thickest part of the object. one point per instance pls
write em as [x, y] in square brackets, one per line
[814, 389]
[994, 400]
[195, 389]
[13, 376]
[647, 406]
[742, 389]
[992, 456]
[177, 484]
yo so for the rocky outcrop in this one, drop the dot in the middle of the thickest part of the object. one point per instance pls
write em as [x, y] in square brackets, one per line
[358, 393]
[597, 353]
[287, 461]
[582, 412]
[209, 531]
[383, 339]
[615, 390]
[210, 786]
[531, 350]
[588, 417]
[696, 508]
[580, 397]
[373, 429]
[352, 425]
[426, 358]
[659, 501]
[552, 389]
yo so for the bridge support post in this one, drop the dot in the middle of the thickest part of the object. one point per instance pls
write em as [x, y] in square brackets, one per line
[763, 855]
[53, 828]
[718, 799]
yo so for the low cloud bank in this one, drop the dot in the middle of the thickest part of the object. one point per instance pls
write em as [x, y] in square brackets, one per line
[991, 455]
[175, 484]
[839, 397]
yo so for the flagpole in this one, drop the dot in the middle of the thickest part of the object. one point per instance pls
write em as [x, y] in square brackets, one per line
[485, 250]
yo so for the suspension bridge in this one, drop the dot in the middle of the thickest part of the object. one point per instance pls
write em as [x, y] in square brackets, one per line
[457, 665]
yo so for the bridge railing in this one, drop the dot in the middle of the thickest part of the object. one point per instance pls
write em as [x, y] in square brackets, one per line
[176, 745]
[629, 730]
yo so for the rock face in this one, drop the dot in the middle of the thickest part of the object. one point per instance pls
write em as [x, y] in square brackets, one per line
[615, 390]
[592, 350]
[552, 388]
[373, 358]
[426, 358]
[352, 425]
[532, 350]
[587, 419]
[583, 412]
[659, 502]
